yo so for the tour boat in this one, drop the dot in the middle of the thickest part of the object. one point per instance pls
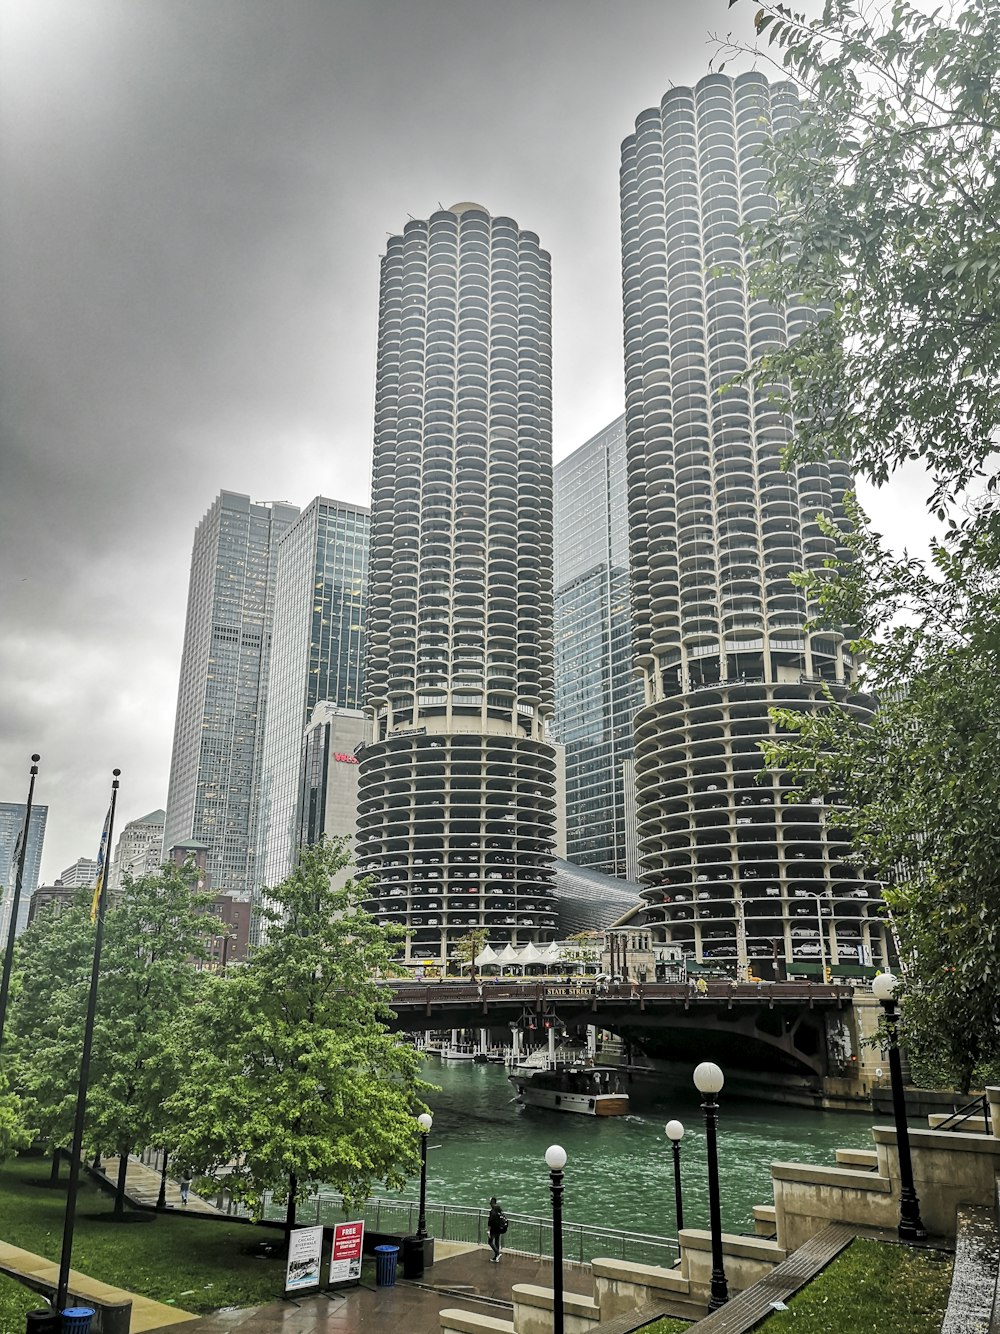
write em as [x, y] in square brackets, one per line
[590, 1090]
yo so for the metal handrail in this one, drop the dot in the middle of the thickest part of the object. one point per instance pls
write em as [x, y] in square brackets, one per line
[528, 1234]
[977, 1107]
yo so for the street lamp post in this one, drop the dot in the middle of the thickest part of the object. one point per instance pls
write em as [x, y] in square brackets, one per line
[555, 1160]
[708, 1080]
[675, 1133]
[911, 1227]
[424, 1121]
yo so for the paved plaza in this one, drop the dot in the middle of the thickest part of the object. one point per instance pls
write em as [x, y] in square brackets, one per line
[465, 1279]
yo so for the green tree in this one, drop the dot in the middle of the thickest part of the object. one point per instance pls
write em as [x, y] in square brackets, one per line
[153, 938]
[887, 224]
[921, 782]
[469, 947]
[296, 1078]
[49, 991]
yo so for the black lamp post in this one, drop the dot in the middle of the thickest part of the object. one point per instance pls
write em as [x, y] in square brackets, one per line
[555, 1160]
[161, 1199]
[911, 1227]
[424, 1121]
[708, 1080]
[675, 1133]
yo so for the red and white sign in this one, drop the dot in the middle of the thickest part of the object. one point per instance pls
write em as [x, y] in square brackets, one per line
[343, 758]
[345, 1256]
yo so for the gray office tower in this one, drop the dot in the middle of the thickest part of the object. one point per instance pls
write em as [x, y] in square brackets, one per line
[597, 689]
[717, 529]
[456, 794]
[11, 824]
[317, 653]
[221, 701]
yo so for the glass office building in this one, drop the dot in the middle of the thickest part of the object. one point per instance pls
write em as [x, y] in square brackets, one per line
[317, 653]
[718, 528]
[11, 822]
[457, 788]
[222, 696]
[597, 689]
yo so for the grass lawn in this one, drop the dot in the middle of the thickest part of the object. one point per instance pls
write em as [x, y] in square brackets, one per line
[871, 1288]
[665, 1326]
[196, 1264]
[15, 1303]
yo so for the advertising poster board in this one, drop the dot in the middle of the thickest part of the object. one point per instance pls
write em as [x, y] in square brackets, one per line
[305, 1257]
[345, 1256]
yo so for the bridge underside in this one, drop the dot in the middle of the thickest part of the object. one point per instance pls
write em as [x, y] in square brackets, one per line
[759, 1038]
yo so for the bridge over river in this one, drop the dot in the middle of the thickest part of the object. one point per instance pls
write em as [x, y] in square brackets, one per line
[803, 1029]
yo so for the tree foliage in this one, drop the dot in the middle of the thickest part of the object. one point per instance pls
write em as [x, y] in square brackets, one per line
[887, 224]
[921, 783]
[295, 1077]
[49, 990]
[153, 938]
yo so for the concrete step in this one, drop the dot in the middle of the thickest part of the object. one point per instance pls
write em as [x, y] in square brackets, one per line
[454, 1321]
[765, 1221]
[857, 1158]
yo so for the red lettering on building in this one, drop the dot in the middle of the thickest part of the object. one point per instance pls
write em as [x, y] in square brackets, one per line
[345, 759]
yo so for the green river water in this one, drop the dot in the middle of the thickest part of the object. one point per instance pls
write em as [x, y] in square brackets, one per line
[619, 1172]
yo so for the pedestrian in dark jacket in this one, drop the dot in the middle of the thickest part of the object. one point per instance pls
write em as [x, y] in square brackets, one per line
[496, 1226]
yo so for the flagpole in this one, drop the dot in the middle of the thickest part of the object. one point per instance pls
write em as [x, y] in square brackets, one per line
[88, 1041]
[22, 850]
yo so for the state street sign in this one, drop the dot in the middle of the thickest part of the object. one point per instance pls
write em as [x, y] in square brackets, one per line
[305, 1256]
[345, 1256]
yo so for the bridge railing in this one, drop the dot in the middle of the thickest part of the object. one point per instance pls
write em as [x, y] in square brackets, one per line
[455, 1222]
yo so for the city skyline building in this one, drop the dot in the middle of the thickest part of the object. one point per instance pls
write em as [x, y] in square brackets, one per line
[139, 850]
[82, 872]
[222, 693]
[11, 823]
[328, 802]
[456, 788]
[717, 530]
[597, 691]
[317, 654]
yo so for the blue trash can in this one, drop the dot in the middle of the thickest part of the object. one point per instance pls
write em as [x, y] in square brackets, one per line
[76, 1319]
[385, 1266]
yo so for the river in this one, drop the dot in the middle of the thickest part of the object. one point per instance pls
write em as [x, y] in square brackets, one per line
[619, 1171]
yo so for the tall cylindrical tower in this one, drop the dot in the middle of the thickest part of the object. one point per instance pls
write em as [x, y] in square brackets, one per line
[457, 789]
[717, 529]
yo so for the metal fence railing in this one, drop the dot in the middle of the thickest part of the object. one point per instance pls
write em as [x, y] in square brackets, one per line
[455, 1222]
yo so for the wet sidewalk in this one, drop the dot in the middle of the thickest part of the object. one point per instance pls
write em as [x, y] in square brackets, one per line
[466, 1280]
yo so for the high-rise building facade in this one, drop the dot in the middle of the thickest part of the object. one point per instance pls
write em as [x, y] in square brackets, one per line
[597, 689]
[139, 851]
[11, 823]
[317, 653]
[221, 701]
[82, 872]
[718, 528]
[456, 790]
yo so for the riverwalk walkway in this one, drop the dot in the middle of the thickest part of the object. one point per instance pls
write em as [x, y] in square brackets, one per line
[142, 1187]
[463, 1276]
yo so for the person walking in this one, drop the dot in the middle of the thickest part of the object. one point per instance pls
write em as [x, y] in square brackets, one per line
[496, 1226]
[185, 1187]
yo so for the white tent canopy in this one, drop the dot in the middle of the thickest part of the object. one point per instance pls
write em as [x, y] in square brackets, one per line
[531, 955]
[486, 955]
[552, 953]
[509, 955]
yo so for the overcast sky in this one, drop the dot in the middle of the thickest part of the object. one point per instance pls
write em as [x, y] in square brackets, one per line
[195, 197]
